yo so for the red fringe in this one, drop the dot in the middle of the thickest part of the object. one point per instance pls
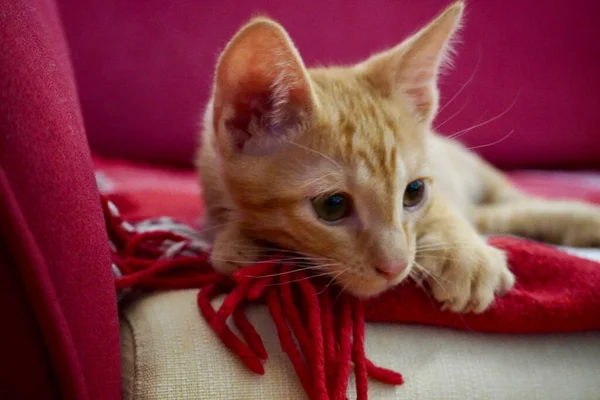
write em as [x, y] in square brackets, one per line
[330, 334]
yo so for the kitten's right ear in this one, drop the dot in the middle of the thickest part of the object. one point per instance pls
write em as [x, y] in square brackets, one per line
[262, 90]
[409, 71]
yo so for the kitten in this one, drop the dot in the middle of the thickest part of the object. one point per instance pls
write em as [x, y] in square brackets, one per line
[340, 165]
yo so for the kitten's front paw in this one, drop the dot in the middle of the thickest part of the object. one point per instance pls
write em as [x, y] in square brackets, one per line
[469, 277]
[233, 250]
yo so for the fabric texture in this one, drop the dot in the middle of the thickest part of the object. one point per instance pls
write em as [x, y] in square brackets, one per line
[171, 353]
[556, 292]
[145, 71]
[56, 288]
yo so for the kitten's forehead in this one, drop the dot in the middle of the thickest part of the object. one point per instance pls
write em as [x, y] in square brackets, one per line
[378, 144]
[367, 131]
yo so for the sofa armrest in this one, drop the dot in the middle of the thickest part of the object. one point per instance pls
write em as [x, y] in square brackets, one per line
[169, 352]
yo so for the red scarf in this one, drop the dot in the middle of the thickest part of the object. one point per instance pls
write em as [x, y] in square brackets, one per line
[555, 292]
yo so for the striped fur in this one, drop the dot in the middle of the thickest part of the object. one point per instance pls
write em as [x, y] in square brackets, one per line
[277, 134]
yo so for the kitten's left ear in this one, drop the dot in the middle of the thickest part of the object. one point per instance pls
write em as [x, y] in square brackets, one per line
[262, 90]
[409, 71]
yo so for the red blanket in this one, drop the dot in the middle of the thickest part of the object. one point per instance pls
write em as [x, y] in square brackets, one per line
[555, 291]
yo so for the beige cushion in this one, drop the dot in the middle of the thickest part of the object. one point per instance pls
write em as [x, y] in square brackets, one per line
[170, 353]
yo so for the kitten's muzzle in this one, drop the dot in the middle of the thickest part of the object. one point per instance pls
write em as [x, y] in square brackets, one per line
[391, 271]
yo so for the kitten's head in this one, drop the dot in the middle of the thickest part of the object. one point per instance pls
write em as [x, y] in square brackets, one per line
[330, 162]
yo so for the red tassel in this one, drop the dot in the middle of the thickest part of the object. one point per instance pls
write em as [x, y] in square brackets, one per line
[137, 246]
[178, 283]
[384, 375]
[249, 333]
[317, 354]
[344, 354]
[358, 351]
[233, 300]
[329, 338]
[293, 316]
[258, 288]
[286, 340]
[229, 339]
[158, 267]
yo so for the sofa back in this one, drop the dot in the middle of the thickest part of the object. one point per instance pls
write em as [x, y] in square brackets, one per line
[523, 92]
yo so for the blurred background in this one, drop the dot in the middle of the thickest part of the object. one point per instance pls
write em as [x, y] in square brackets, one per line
[523, 92]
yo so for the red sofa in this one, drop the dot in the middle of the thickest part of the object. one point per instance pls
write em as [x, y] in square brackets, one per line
[135, 79]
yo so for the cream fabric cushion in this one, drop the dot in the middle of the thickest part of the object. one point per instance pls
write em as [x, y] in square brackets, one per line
[169, 352]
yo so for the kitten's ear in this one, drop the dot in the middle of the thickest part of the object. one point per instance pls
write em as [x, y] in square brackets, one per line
[262, 90]
[410, 70]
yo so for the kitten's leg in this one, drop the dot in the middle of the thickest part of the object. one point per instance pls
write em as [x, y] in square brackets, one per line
[503, 209]
[567, 223]
[464, 272]
[233, 250]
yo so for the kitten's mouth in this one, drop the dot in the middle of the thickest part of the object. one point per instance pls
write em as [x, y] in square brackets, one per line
[359, 285]
[372, 286]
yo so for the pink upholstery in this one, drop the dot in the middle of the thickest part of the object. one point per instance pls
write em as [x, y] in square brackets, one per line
[144, 71]
[60, 325]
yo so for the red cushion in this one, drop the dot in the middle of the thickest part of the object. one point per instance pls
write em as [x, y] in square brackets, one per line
[144, 69]
[56, 284]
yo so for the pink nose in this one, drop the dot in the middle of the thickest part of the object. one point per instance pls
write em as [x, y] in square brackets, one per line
[390, 271]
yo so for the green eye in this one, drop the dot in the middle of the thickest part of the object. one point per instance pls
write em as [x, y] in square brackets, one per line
[414, 193]
[332, 207]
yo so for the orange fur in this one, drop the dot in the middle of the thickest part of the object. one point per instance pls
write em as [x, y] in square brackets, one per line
[277, 134]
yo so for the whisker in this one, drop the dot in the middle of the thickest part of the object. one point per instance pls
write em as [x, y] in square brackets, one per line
[342, 290]
[285, 272]
[429, 273]
[479, 125]
[450, 118]
[310, 183]
[213, 227]
[282, 251]
[493, 143]
[325, 156]
[299, 279]
[432, 276]
[469, 80]
[333, 280]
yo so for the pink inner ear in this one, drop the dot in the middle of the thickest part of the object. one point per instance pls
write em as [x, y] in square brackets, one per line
[262, 87]
[257, 117]
[421, 99]
[253, 107]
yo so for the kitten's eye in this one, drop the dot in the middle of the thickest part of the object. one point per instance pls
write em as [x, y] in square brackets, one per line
[332, 207]
[413, 194]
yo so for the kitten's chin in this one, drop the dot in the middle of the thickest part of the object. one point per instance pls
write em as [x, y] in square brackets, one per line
[369, 293]
[365, 288]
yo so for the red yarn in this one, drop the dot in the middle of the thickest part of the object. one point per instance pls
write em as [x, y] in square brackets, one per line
[358, 350]
[328, 339]
[344, 338]
[298, 304]
[317, 355]
[229, 339]
[249, 333]
[286, 339]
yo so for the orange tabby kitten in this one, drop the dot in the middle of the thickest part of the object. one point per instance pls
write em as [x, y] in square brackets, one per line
[340, 165]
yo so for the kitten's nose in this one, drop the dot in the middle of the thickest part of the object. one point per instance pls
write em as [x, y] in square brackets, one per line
[392, 270]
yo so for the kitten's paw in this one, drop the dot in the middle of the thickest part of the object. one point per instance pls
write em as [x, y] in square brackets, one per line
[470, 278]
[233, 250]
